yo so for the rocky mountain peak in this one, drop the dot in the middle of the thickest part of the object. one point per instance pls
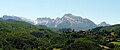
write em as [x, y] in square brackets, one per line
[71, 17]
[103, 24]
[68, 21]
[68, 15]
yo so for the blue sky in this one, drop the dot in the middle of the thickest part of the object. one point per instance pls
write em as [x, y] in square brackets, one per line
[95, 10]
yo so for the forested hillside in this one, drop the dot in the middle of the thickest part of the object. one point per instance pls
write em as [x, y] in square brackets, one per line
[15, 35]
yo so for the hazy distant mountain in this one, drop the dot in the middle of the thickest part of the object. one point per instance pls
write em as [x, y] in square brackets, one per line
[68, 21]
[6, 17]
[103, 24]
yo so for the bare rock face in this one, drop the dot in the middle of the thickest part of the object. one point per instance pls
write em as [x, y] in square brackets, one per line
[68, 21]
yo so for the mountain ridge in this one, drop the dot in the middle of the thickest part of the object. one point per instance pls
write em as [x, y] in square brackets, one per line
[67, 21]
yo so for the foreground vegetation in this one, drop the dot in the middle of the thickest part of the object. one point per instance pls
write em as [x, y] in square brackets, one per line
[15, 35]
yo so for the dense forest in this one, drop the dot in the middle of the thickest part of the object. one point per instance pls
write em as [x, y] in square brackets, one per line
[16, 35]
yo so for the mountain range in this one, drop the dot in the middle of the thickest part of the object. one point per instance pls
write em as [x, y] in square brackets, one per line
[67, 21]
